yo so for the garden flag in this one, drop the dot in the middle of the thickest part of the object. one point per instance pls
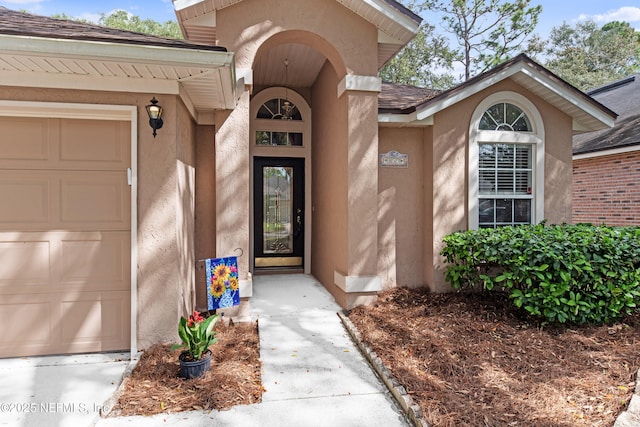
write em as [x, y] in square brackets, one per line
[222, 282]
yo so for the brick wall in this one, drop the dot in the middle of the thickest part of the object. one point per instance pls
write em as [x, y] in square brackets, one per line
[606, 189]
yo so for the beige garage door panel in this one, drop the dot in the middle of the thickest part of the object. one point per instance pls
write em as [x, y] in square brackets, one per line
[56, 323]
[44, 200]
[64, 144]
[64, 260]
[65, 239]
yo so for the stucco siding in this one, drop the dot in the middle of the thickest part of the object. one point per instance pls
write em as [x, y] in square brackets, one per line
[185, 206]
[205, 206]
[449, 184]
[345, 38]
[401, 222]
[329, 164]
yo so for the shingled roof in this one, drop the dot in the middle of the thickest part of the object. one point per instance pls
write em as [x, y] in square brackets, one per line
[25, 24]
[403, 99]
[622, 96]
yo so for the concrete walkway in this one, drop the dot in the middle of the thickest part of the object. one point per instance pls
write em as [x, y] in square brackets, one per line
[312, 372]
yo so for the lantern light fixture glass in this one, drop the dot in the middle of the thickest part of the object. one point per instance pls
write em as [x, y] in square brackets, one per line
[155, 115]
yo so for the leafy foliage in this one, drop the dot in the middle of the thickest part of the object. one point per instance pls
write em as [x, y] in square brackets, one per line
[588, 56]
[123, 20]
[560, 273]
[488, 32]
[196, 334]
[426, 61]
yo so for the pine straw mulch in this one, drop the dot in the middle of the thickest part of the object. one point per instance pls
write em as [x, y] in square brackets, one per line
[234, 379]
[472, 360]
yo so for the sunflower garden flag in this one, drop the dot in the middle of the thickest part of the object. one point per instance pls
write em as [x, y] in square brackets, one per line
[222, 282]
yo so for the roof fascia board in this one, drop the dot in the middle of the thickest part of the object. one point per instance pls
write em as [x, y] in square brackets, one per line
[385, 38]
[188, 102]
[72, 81]
[228, 82]
[448, 101]
[399, 17]
[432, 108]
[613, 151]
[403, 120]
[206, 20]
[109, 51]
[179, 5]
[573, 98]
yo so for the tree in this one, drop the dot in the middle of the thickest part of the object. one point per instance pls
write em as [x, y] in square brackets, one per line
[488, 32]
[588, 56]
[426, 61]
[123, 20]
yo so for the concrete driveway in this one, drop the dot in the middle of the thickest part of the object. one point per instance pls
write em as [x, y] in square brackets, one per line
[58, 391]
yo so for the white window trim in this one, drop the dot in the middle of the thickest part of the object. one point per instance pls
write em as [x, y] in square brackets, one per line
[536, 138]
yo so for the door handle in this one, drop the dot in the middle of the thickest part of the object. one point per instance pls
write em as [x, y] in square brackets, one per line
[298, 223]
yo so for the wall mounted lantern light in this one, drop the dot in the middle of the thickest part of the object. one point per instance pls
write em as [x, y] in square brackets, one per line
[155, 115]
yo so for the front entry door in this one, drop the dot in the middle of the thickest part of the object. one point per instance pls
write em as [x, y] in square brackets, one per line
[278, 188]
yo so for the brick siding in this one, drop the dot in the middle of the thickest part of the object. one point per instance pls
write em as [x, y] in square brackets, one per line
[606, 189]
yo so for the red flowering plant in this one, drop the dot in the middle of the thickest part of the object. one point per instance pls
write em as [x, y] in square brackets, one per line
[197, 334]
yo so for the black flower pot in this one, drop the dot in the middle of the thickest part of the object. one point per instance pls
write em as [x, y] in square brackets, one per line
[194, 368]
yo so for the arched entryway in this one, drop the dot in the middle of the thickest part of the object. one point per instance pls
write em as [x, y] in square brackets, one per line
[280, 141]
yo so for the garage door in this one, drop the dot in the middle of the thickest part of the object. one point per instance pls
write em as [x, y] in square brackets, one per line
[65, 228]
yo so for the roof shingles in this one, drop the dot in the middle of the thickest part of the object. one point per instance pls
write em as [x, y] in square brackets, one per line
[25, 24]
[624, 97]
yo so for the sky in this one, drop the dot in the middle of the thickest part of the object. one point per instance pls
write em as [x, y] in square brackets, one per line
[554, 12]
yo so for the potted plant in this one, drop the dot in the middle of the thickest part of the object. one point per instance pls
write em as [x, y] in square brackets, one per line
[197, 335]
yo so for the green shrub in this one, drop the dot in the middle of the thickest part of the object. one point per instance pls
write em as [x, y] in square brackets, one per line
[560, 273]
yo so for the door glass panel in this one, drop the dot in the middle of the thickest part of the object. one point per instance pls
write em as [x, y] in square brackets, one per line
[277, 210]
[285, 139]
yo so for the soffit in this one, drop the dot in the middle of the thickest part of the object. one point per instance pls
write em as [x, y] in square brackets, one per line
[204, 78]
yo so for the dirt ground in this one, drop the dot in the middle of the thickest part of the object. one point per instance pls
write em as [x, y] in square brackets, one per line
[234, 379]
[467, 360]
[471, 360]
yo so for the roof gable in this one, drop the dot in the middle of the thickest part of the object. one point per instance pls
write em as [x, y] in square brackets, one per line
[587, 113]
[396, 24]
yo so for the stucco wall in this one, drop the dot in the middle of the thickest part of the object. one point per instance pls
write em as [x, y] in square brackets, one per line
[606, 189]
[243, 29]
[329, 164]
[449, 182]
[185, 208]
[160, 271]
[205, 224]
[401, 210]
[232, 171]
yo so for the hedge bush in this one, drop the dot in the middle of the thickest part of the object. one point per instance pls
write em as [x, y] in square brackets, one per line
[559, 273]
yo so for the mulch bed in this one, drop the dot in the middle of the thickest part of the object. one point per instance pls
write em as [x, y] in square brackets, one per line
[473, 360]
[234, 379]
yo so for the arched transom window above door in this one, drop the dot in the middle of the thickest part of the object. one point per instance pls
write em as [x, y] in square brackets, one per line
[281, 110]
